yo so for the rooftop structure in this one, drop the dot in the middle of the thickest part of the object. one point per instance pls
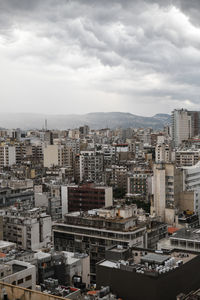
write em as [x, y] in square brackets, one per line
[156, 271]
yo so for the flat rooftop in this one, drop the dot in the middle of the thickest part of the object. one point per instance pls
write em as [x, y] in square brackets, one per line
[155, 258]
[93, 216]
[161, 257]
[4, 244]
[18, 268]
[192, 234]
[150, 263]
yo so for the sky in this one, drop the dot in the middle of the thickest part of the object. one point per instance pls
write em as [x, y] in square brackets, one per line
[80, 56]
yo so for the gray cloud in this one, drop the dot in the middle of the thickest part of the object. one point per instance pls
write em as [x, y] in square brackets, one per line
[126, 51]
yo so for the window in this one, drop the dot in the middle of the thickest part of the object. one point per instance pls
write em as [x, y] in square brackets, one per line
[28, 278]
[20, 281]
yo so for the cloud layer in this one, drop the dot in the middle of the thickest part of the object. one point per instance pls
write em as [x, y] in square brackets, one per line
[90, 55]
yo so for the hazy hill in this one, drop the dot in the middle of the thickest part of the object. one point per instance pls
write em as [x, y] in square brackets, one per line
[94, 120]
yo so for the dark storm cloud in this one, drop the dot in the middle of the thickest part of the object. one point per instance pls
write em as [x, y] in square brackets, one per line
[141, 48]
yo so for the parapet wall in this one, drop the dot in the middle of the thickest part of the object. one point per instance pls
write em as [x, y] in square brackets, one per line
[17, 293]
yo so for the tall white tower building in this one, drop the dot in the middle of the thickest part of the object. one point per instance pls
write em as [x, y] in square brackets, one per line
[181, 126]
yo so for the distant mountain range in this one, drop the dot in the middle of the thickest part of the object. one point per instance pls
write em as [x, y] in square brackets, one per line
[96, 120]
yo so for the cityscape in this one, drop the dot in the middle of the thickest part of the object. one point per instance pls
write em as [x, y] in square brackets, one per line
[99, 213]
[99, 150]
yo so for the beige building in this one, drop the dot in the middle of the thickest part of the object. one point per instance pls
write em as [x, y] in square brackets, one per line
[57, 155]
[163, 153]
[167, 185]
[187, 157]
[190, 201]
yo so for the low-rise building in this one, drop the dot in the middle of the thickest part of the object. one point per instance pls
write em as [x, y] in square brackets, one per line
[18, 273]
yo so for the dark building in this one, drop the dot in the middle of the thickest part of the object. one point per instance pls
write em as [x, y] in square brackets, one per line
[87, 196]
[194, 295]
[10, 196]
[149, 275]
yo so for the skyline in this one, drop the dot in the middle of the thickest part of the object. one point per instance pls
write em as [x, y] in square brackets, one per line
[77, 57]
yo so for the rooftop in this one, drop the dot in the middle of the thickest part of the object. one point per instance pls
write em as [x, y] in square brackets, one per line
[151, 263]
[5, 244]
[192, 234]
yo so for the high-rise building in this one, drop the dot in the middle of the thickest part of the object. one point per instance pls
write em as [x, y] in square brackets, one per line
[181, 126]
[91, 166]
[167, 184]
[185, 124]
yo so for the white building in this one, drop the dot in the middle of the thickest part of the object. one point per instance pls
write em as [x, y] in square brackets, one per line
[18, 273]
[163, 153]
[191, 177]
[181, 126]
[30, 229]
[7, 156]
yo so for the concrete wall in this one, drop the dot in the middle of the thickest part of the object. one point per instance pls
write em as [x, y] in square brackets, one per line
[15, 292]
[86, 270]
[159, 191]
[64, 200]
[50, 156]
[22, 275]
[108, 196]
[41, 199]
[186, 201]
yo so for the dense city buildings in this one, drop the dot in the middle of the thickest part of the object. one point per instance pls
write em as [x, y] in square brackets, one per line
[80, 203]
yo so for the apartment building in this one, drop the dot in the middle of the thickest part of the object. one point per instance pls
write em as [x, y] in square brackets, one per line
[29, 229]
[167, 185]
[91, 166]
[93, 231]
[57, 155]
[7, 156]
[12, 195]
[181, 126]
[191, 177]
[163, 153]
[85, 197]
[138, 184]
[187, 157]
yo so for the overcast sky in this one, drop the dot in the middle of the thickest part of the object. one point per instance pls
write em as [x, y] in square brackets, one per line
[79, 56]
